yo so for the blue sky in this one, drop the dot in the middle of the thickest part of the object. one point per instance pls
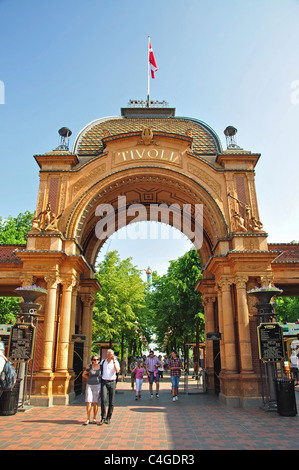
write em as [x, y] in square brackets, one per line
[232, 62]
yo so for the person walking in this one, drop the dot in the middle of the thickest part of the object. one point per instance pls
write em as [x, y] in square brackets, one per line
[139, 379]
[110, 367]
[152, 363]
[93, 387]
[294, 360]
[175, 365]
[161, 369]
[133, 366]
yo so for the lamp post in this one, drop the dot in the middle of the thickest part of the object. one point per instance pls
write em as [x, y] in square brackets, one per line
[265, 314]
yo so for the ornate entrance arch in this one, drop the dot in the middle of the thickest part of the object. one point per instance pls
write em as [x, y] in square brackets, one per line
[149, 157]
[138, 186]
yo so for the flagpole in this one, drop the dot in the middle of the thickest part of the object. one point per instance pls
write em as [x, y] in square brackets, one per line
[148, 72]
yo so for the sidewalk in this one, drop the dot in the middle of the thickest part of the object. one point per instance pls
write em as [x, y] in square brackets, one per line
[194, 422]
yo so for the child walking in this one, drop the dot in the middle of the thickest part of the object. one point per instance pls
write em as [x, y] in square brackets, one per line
[139, 379]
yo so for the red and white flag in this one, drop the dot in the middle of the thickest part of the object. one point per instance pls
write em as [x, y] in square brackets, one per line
[152, 61]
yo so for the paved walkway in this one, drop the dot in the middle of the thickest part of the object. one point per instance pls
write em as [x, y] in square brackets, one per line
[194, 422]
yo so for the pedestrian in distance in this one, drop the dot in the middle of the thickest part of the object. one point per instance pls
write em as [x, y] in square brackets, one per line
[175, 365]
[152, 364]
[140, 370]
[110, 367]
[161, 369]
[133, 366]
[294, 360]
[93, 388]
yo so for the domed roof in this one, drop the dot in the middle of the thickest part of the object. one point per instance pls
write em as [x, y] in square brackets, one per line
[89, 140]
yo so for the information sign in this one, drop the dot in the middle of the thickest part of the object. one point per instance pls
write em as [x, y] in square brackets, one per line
[21, 342]
[270, 339]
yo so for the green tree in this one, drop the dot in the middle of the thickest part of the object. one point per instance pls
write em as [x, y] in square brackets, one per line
[287, 309]
[176, 307]
[8, 308]
[120, 304]
[13, 230]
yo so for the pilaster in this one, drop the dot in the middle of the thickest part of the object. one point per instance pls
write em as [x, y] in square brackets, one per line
[228, 325]
[243, 325]
[208, 303]
[61, 383]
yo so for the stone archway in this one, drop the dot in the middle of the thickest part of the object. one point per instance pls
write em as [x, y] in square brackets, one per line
[149, 157]
[139, 187]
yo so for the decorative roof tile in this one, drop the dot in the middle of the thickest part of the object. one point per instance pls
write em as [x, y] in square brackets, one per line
[89, 141]
[290, 252]
[7, 253]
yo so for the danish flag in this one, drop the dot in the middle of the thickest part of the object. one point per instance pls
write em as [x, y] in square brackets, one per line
[152, 61]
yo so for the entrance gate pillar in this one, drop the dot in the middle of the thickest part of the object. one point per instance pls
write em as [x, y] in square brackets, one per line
[243, 325]
[249, 385]
[44, 378]
[208, 303]
[229, 375]
[88, 302]
[49, 324]
[72, 327]
[220, 322]
[228, 326]
[62, 376]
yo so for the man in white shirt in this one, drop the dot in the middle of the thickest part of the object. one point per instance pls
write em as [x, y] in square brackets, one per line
[110, 367]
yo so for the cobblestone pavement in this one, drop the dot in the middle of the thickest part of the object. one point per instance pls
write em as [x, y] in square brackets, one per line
[195, 422]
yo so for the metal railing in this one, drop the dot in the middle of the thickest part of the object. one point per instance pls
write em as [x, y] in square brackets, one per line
[195, 384]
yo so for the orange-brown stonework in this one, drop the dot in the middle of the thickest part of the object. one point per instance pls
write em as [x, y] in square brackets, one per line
[145, 160]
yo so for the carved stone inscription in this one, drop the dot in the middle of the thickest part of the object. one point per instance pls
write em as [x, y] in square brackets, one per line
[147, 153]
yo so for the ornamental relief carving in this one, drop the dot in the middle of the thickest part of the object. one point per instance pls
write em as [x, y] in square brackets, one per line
[148, 153]
[41, 194]
[251, 244]
[206, 178]
[99, 193]
[43, 244]
[63, 194]
[85, 180]
[241, 282]
[147, 136]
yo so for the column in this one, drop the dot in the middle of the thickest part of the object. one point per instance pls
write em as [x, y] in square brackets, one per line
[208, 303]
[220, 322]
[231, 364]
[64, 326]
[243, 325]
[88, 302]
[49, 324]
[72, 327]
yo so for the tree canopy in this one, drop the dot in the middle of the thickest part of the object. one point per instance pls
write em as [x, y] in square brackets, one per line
[127, 311]
[13, 230]
[287, 309]
[119, 310]
[176, 307]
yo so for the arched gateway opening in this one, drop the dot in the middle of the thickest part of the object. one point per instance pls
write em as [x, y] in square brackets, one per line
[146, 163]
